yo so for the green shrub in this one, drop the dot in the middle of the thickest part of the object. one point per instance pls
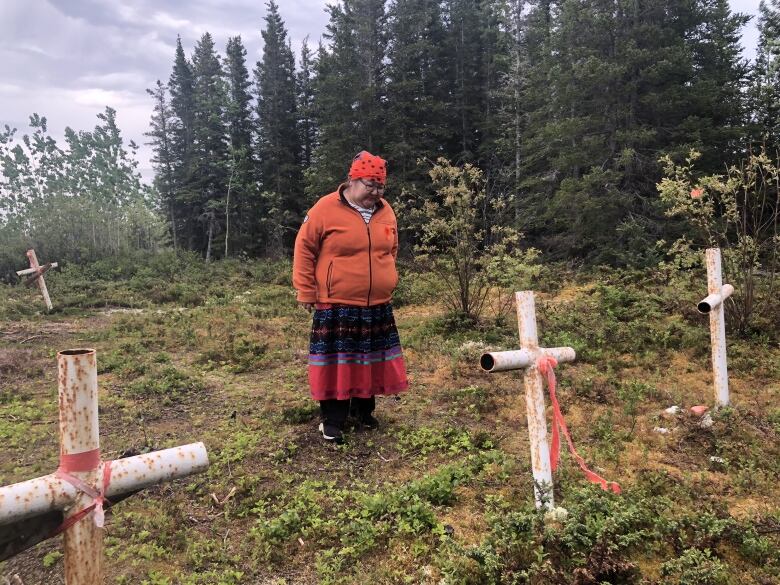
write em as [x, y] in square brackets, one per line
[168, 382]
[50, 558]
[300, 414]
[695, 567]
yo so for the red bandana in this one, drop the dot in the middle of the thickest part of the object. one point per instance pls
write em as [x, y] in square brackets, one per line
[367, 166]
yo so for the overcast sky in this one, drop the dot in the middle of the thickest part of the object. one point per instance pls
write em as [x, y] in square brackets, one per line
[68, 59]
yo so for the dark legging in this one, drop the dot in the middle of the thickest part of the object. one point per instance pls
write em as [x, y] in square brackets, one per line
[335, 412]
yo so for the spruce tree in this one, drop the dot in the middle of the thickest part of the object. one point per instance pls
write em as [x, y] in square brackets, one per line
[417, 90]
[530, 86]
[182, 92]
[718, 112]
[468, 77]
[241, 198]
[334, 95]
[211, 149]
[239, 108]
[307, 128]
[349, 91]
[765, 86]
[506, 134]
[163, 159]
[496, 63]
[278, 144]
[370, 21]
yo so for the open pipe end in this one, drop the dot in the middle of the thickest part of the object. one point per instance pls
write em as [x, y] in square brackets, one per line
[487, 362]
[704, 307]
[84, 351]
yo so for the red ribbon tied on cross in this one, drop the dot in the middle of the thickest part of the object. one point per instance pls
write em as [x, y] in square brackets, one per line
[86, 461]
[546, 365]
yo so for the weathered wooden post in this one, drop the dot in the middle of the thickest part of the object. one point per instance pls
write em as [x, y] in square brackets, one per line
[717, 293]
[82, 482]
[37, 271]
[526, 359]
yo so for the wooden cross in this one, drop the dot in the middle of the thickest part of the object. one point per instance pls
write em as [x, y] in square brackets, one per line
[81, 482]
[717, 293]
[37, 271]
[526, 359]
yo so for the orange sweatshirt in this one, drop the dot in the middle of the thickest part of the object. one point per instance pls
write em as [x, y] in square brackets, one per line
[339, 258]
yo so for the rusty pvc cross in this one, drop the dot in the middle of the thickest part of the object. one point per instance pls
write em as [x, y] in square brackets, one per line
[79, 436]
[526, 359]
[717, 293]
[36, 272]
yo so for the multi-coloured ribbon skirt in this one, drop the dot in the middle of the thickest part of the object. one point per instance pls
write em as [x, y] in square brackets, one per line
[355, 352]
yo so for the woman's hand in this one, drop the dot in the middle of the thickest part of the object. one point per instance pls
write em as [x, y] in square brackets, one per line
[308, 306]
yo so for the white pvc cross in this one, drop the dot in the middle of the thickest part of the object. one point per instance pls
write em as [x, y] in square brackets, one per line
[713, 305]
[526, 359]
[83, 541]
[37, 271]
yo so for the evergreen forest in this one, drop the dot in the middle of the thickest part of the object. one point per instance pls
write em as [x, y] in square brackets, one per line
[565, 106]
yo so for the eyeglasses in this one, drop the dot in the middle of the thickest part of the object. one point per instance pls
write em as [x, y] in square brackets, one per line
[372, 186]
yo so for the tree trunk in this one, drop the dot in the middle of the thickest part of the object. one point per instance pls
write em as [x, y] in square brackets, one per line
[211, 236]
[462, 88]
[227, 208]
[173, 226]
[518, 11]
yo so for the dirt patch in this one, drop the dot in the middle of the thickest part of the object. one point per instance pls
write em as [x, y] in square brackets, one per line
[28, 568]
[14, 361]
[29, 332]
[573, 292]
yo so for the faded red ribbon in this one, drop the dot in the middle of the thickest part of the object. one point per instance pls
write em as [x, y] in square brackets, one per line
[84, 461]
[80, 462]
[546, 365]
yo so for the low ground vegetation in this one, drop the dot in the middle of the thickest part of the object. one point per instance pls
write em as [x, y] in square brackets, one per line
[442, 492]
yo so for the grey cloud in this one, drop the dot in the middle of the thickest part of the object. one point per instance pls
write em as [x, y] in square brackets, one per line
[68, 59]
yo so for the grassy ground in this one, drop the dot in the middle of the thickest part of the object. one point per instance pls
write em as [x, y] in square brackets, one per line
[442, 493]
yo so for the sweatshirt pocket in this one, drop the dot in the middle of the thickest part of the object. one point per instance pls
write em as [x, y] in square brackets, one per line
[337, 281]
[329, 278]
[347, 280]
[385, 277]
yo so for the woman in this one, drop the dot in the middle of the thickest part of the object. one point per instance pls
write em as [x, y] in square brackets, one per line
[344, 270]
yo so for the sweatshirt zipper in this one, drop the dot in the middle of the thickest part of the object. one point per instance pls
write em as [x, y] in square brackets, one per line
[370, 274]
[368, 233]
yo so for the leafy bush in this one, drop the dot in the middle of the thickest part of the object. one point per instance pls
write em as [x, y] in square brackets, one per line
[467, 253]
[695, 567]
[169, 383]
[738, 212]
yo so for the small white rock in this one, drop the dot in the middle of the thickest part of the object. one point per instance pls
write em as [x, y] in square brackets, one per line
[672, 410]
[706, 421]
[720, 460]
[557, 514]
[661, 430]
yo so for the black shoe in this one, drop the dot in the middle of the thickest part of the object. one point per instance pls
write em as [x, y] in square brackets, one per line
[368, 421]
[331, 433]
